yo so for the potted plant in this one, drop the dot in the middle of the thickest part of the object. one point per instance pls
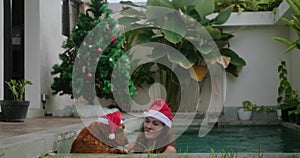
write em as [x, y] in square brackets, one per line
[15, 110]
[287, 99]
[297, 114]
[245, 113]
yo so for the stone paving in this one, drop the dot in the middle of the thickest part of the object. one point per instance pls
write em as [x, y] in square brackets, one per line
[31, 125]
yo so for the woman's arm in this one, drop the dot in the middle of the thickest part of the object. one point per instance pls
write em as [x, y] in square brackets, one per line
[130, 147]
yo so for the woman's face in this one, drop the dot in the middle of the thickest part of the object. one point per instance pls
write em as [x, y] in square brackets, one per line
[152, 127]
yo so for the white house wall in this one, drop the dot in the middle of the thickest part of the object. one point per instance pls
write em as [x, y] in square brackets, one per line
[33, 55]
[43, 41]
[51, 46]
[258, 80]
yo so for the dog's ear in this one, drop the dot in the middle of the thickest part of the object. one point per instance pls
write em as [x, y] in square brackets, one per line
[121, 138]
[99, 130]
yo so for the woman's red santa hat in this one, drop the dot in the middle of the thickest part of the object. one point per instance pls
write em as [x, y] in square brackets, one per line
[113, 119]
[161, 111]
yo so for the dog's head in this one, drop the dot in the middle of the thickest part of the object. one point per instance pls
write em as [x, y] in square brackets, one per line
[101, 131]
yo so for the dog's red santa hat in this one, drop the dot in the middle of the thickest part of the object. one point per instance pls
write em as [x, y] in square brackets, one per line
[161, 111]
[113, 119]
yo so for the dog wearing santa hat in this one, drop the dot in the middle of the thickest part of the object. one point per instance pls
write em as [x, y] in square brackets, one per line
[105, 135]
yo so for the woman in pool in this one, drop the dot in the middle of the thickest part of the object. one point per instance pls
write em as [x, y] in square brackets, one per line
[155, 134]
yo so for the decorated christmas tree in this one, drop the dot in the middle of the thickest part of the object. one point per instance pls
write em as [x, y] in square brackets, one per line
[94, 53]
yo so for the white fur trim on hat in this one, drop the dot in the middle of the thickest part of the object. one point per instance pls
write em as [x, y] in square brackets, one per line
[160, 116]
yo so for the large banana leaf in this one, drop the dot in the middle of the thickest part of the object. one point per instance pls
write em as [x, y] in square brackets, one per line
[174, 28]
[159, 3]
[204, 7]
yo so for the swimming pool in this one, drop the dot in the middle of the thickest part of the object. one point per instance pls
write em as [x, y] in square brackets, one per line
[258, 139]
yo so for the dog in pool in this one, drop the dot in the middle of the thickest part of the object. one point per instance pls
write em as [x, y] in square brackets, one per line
[105, 135]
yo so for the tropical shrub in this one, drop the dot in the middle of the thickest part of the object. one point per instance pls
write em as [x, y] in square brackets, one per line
[294, 24]
[178, 35]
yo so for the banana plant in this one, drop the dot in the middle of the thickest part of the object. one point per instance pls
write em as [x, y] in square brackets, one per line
[248, 5]
[294, 24]
[175, 26]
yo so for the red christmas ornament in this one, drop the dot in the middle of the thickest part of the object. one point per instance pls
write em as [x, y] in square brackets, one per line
[100, 50]
[114, 39]
[89, 75]
[125, 42]
[111, 91]
[123, 47]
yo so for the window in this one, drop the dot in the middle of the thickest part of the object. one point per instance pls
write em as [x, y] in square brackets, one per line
[70, 12]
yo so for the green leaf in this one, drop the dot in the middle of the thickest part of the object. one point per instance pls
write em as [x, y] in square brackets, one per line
[159, 3]
[175, 57]
[186, 64]
[129, 3]
[280, 90]
[223, 16]
[174, 28]
[143, 38]
[280, 67]
[133, 12]
[157, 36]
[287, 21]
[127, 20]
[281, 76]
[235, 59]
[179, 4]
[205, 7]
[205, 49]
[279, 99]
[282, 40]
[233, 70]
[156, 54]
[294, 5]
[157, 14]
[226, 36]
[214, 32]
[290, 48]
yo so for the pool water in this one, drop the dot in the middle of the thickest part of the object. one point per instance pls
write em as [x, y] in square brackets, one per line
[258, 139]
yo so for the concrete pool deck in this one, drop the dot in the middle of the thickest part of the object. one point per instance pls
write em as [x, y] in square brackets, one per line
[38, 136]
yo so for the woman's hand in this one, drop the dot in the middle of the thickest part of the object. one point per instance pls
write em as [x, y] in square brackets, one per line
[170, 149]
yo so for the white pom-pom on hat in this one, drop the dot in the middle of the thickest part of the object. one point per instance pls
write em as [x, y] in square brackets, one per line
[112, 136]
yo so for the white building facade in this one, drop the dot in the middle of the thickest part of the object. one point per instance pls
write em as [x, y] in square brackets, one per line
[258, 80]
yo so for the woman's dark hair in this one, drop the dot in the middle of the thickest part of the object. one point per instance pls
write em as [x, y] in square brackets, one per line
[160, 144]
